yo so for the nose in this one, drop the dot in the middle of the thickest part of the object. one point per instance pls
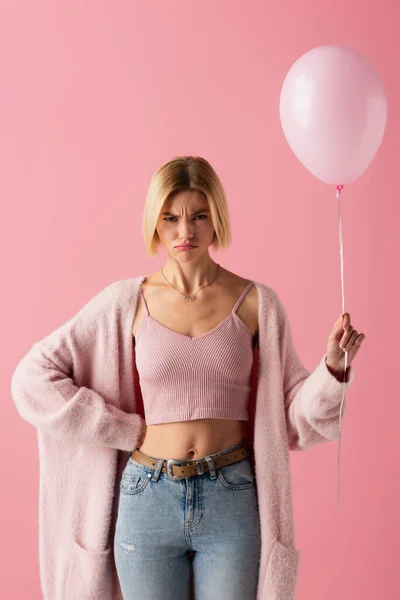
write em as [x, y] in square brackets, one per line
[185, 229]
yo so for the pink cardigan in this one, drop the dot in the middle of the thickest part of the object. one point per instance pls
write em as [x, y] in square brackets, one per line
[79, 387]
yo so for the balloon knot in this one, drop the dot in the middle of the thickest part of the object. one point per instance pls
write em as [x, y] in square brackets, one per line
[339, 188]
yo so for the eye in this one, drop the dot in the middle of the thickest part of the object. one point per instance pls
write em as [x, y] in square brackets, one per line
[168, 218]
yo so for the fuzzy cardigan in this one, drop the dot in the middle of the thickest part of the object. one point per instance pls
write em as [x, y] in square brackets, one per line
[79, 387]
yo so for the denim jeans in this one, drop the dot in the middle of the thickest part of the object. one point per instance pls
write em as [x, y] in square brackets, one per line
[208, 522]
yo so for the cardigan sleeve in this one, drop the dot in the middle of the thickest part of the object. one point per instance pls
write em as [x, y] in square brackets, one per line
[45, 394]
[312, 399]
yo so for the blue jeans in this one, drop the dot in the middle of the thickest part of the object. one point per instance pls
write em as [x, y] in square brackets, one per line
[208, 522]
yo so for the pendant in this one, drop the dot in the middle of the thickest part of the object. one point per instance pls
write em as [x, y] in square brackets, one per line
[190, 298]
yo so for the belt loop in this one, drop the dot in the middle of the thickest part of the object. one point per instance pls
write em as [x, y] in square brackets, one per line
[211, 467]
[158, 469]
[199, 465]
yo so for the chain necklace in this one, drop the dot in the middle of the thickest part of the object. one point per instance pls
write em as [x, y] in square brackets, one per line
[186, 296]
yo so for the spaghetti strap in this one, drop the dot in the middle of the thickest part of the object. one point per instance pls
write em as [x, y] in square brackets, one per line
[144, 301]
[242, 296]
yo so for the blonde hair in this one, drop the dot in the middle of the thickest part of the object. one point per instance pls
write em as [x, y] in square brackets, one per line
[186, 173]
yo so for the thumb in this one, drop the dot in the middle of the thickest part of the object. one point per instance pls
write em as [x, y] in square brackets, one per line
[339, 320]
[338, 325]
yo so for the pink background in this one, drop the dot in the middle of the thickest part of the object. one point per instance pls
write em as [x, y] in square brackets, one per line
[94, 97]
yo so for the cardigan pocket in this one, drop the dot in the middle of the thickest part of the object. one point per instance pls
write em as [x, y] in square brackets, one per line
[89, 574]
[282, 571]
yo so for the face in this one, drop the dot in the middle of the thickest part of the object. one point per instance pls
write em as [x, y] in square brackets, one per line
[185, 219]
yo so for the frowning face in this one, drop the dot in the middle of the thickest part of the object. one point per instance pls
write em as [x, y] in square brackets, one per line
[185, 218]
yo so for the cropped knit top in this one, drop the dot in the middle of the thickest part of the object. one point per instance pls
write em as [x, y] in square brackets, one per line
[183, 378]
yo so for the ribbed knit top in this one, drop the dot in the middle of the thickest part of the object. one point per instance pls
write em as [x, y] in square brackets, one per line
[183, 378]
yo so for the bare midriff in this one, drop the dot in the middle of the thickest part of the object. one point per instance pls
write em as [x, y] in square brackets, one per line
[189, 440]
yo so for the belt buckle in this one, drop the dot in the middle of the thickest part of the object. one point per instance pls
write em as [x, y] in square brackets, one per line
[170, 462]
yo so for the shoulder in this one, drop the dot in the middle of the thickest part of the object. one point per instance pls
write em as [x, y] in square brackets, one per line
[114, 298]
[103, 311]
[113, 293]
[266, 295]
[260, 295]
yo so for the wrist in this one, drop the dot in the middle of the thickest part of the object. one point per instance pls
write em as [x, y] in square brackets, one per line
[336, 371]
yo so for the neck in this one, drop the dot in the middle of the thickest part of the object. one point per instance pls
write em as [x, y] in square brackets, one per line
[190, 276]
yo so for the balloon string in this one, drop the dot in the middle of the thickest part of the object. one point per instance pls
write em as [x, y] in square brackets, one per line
[338, 190]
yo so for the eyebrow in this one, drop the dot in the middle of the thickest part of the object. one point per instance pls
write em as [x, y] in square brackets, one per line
[202, 210]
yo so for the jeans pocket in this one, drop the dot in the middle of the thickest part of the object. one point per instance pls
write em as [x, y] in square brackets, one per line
[133, 484]
[237, 476]
[134, 479]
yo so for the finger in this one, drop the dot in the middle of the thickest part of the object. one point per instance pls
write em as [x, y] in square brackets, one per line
[346, 320]
[337, 329]
[348, 344]
[346, 336]
[360, 339]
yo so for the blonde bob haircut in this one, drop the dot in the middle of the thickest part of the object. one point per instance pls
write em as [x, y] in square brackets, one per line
[186, 173]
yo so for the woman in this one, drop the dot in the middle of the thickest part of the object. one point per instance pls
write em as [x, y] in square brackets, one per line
[127, 503]
[195, 329]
